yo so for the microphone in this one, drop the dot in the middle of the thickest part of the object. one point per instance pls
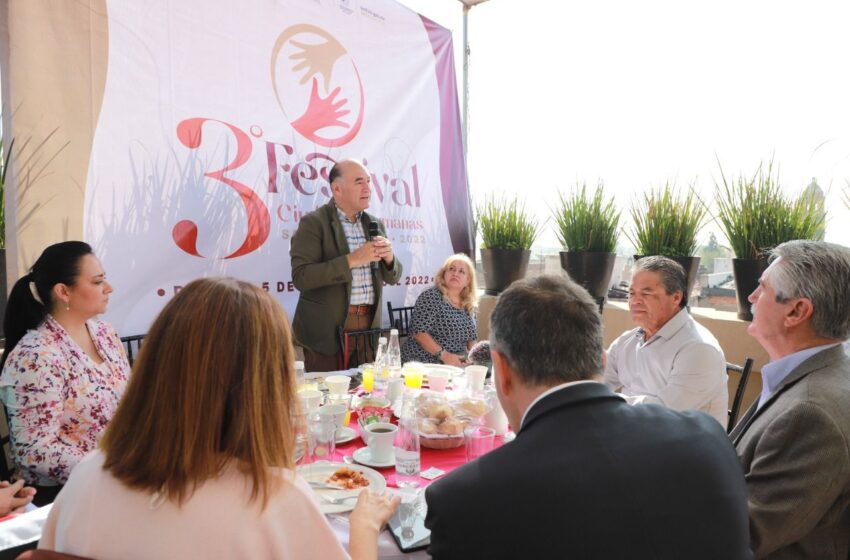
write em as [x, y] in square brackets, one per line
[373, 233]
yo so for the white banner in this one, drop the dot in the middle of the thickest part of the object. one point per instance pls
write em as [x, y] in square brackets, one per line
[221, 120]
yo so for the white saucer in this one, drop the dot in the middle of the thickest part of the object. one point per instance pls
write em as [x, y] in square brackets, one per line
[364, 457]
[346, 434]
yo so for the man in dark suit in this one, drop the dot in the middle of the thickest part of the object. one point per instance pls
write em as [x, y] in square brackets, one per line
[338, 269]
[588, 476]
[794, 442]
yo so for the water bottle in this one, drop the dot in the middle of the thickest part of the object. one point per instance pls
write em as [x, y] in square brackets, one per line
[381, 370]
[394, 354]
[407, 462]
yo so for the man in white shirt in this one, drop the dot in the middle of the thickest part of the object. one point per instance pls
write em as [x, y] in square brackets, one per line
[669, 359]
[794, 441]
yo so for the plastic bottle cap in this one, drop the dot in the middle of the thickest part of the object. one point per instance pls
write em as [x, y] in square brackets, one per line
[382, 339]
[299, 364]
[393, 332]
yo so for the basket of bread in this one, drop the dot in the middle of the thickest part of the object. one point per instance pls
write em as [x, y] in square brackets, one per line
[441, 419]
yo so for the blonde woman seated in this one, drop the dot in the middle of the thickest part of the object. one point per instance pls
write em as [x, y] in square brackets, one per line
[198, 460]
[443, 327]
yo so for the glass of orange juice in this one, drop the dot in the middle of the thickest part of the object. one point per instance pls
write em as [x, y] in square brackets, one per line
[368, 378]
[413, 375]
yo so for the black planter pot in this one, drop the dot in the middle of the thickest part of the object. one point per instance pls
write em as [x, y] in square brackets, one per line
[502, 267]
[691, 266]
[590, 269]
[747, 273]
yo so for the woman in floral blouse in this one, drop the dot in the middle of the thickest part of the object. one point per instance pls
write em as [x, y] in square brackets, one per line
[63, 371]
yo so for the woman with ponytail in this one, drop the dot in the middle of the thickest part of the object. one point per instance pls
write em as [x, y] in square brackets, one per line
[64, 370]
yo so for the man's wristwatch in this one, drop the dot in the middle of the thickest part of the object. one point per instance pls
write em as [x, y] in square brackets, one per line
[439, 354]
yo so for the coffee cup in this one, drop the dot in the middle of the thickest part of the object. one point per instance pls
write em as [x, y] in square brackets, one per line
[379, 437]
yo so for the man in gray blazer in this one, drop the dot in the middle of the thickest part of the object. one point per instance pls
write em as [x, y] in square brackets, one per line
[794, 442]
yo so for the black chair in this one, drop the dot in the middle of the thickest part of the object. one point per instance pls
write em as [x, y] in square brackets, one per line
[361, 343]
[5, 450]
[744, 372]
[400, 318]
[132, 344]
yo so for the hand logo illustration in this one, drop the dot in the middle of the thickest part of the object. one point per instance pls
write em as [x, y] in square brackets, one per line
[327, 121]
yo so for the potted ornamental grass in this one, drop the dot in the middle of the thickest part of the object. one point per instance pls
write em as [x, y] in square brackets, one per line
[666, 222]
[507, 233]
[587, 225]
[756, 216]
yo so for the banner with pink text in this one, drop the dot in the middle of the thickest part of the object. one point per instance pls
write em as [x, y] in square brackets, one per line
[219, 124]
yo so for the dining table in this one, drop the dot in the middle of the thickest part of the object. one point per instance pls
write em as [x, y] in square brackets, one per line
[25, 529]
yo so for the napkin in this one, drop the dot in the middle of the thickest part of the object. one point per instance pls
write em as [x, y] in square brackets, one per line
[432, 473]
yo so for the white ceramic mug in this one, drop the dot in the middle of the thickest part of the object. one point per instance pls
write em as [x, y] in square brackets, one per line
[379, 438]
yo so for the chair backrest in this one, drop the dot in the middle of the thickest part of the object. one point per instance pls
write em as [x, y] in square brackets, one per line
[744, 372]
[400, 318]
[132, 345]
[362, 343]
[6, 467]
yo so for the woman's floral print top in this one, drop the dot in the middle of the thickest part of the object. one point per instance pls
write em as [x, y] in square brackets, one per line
[58, 400]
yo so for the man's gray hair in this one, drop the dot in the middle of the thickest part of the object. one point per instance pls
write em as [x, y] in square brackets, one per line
[672, 275]
[819, 272]
[549, 329]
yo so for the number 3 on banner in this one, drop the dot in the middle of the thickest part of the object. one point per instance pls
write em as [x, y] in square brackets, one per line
[185, 232]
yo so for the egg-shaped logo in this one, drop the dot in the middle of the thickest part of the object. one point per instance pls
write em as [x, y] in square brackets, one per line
[318, 86]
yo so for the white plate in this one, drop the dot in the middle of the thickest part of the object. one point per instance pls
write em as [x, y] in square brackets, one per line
[451, 370]
[364, 457]
[319, 472]
[346, 434]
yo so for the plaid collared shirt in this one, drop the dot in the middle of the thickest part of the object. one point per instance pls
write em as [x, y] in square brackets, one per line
[362, 291]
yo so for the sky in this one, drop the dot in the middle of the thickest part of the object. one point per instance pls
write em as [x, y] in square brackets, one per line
[639, 93]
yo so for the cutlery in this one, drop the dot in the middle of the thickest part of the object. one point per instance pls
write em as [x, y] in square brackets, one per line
[323, 486]
[337, 501]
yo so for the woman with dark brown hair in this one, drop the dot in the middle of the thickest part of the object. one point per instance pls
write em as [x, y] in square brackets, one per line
[64, 369]
[198, 460]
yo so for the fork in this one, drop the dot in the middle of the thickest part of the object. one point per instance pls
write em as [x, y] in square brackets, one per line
[337, 501]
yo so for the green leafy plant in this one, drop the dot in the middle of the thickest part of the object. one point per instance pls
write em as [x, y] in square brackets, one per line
[667, 222]
[504, 224]
[587, 223]
[756, 216]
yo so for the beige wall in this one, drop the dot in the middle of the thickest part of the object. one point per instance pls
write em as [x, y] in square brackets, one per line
[730, 332]
[54, 55]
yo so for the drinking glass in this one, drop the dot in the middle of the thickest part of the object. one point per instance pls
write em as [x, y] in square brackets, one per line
[479, 441]
[413, 376]
[368, 378]
[321, 437]
[344, 400]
